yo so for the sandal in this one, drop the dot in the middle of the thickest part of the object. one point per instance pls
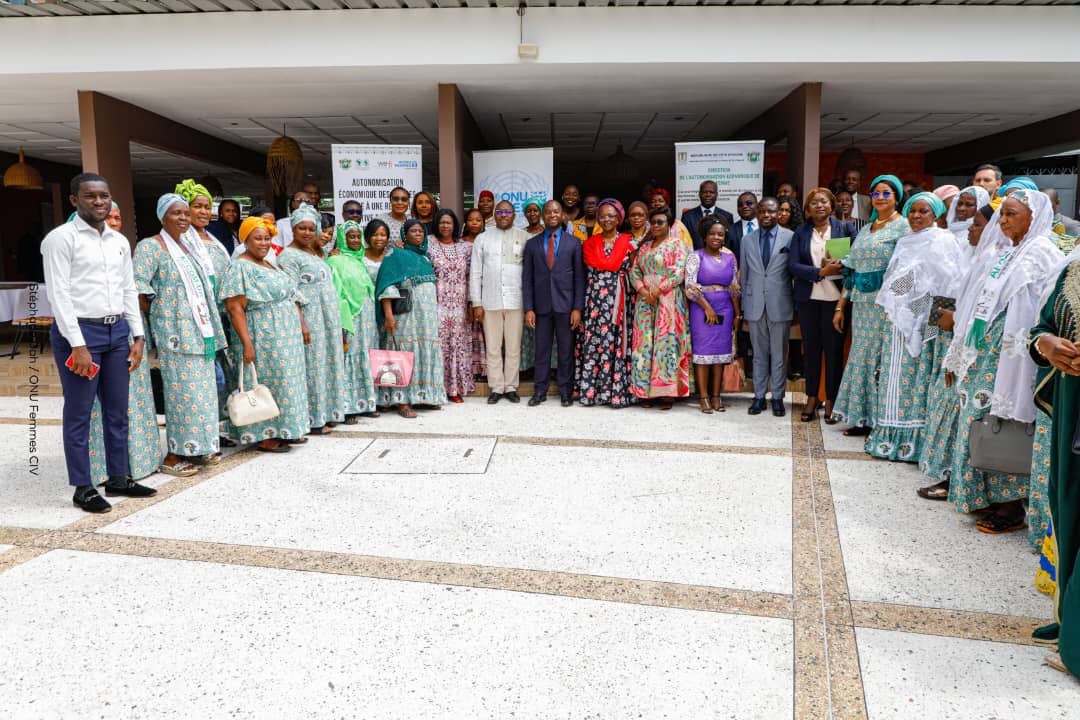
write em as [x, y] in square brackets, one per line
[1054, 661]
[352, 419]
[935, 492]
[295, 441]
[705, 408]
[809, 414]
[282, 446]
[182, 468]
[718, 404]
[665, 404]
[857, 431]
[226, 442]
[213, 459]
[324, 430]
[406, 412]
[998, 524]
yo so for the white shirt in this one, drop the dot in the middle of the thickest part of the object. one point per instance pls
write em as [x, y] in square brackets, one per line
[89, 274]
[823, 289]
[855, 208]
[495, 272]
[284, 232]
[746, 229]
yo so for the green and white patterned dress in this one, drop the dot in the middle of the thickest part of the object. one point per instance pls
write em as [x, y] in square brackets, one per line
[360, 395]
[417, 332]
[971, 489]
[870, 328]
[1038, 516]
[188, 377]
[325, 353]
[220, 259]
[935, 455]
[145, 451]
[273, 322]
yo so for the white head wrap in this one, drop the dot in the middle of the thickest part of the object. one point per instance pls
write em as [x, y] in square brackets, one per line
[166, 201]
[1006, 278]
[924, 264]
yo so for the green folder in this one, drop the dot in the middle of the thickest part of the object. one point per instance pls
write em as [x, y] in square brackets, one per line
[838, 248]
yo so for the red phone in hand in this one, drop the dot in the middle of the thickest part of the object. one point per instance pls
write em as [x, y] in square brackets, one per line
[94, 367]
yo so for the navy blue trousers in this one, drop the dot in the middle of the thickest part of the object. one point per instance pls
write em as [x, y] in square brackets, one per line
[547, 326]
[108, 346]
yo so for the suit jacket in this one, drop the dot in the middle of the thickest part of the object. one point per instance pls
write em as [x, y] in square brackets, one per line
[801, 262]
[865, 207]
[693, 216]
[553, 290]
[766, 286]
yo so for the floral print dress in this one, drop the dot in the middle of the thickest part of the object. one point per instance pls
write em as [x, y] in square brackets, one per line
[451, 263]
[273, 322]
[325, 354]
[188, 377]
[661, 354]
[870, 328]
[603, 352]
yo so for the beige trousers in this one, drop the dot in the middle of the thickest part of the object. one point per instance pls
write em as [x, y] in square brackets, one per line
[503, 326]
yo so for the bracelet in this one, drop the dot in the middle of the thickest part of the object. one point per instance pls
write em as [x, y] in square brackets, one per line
[1035, 344]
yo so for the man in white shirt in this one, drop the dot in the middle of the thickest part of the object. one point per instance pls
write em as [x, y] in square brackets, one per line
[91, 288]
[284, 225]
[860, 204]
[495, 294]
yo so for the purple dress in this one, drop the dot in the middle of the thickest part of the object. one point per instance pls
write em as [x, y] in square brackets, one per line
[716, 280]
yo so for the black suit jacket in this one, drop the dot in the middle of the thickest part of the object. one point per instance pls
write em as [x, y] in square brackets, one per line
[735, 236]
[801, 262]
[692, 217]
[553, 290]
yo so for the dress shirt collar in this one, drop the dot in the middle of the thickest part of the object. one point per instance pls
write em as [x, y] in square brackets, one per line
[82, 226]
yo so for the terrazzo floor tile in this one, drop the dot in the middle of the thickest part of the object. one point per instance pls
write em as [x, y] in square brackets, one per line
[899, 548]
[264, 643]
[916, 677]
[700, 518]
[19, 407]
[41, 500]
[684, 423]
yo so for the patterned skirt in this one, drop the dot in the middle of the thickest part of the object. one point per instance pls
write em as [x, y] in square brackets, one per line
[191, 403]
[360, 396]
[858, 390]
[418, 333]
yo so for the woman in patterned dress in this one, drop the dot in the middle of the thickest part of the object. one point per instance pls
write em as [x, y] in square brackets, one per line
[267, 331]
[605, 342]
[988, 359]
[202, 203]
[417, 331]
[144, 441]
[474, 225]
[356, 294]
[175, 278]
[865, 267]
[450, 258]
[926, 263]
[661, 356]
[323, 348]
[712, 286]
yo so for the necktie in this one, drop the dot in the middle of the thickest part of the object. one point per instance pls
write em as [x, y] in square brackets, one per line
[766, 247]
[706, 212]
[551, 251]
[749, 226]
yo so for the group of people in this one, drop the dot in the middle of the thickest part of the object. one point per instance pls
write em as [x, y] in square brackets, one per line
[959, 305]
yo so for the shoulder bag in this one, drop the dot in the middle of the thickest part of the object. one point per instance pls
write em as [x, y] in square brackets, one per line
[1001, 446]
[247, 407]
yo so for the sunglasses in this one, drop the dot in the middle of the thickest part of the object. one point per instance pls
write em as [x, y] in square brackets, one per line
[399, 198]
[504, 213]
[748, 203]
[881, 194]
[659, 221]
[359, 213]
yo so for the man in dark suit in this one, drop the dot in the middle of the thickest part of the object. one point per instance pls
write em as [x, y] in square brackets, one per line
[746, 224]
[707, 193]
[553, 294]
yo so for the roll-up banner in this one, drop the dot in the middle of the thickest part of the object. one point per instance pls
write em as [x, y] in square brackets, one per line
[515, 175]
[735, 166]
[367, 173]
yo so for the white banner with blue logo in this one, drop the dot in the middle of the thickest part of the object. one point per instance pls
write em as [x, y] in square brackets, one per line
[515, 175]
[367, 174]
[736, 166]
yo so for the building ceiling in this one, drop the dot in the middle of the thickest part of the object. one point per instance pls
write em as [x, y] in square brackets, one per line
[43, 8]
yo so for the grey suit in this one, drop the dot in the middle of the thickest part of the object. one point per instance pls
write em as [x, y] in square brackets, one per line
[768, 306]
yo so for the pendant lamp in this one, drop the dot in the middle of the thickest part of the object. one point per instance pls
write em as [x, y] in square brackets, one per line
[284, 164]
[21, 176]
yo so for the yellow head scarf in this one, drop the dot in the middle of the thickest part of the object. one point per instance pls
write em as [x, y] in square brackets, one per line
[251, 223]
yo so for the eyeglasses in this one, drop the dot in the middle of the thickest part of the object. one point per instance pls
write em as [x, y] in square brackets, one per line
[660, 221]
[819, 201]
[399, 198]
[881, 194]
[504, 213]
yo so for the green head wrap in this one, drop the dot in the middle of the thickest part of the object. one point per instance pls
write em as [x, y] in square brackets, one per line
[351, 276]
[538, 202]
[189, 190]
[898, 188]
[930, 199]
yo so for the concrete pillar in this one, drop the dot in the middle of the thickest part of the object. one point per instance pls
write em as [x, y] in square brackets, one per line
[452, 119]
[106, 150]
[798, 119]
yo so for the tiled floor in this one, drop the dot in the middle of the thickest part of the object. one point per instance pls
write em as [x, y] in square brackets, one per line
[493, 562]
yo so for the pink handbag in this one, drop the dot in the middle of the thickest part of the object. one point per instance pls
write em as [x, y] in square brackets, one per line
[391, 368]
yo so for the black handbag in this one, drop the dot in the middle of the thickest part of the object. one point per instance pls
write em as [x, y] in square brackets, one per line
[402, 305]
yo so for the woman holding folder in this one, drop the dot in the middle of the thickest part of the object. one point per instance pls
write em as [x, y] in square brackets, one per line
[817, 248]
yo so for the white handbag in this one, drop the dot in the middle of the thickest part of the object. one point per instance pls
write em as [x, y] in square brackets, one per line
[247, 407]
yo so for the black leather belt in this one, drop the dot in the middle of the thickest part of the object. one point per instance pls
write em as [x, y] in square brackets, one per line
[107, 320]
